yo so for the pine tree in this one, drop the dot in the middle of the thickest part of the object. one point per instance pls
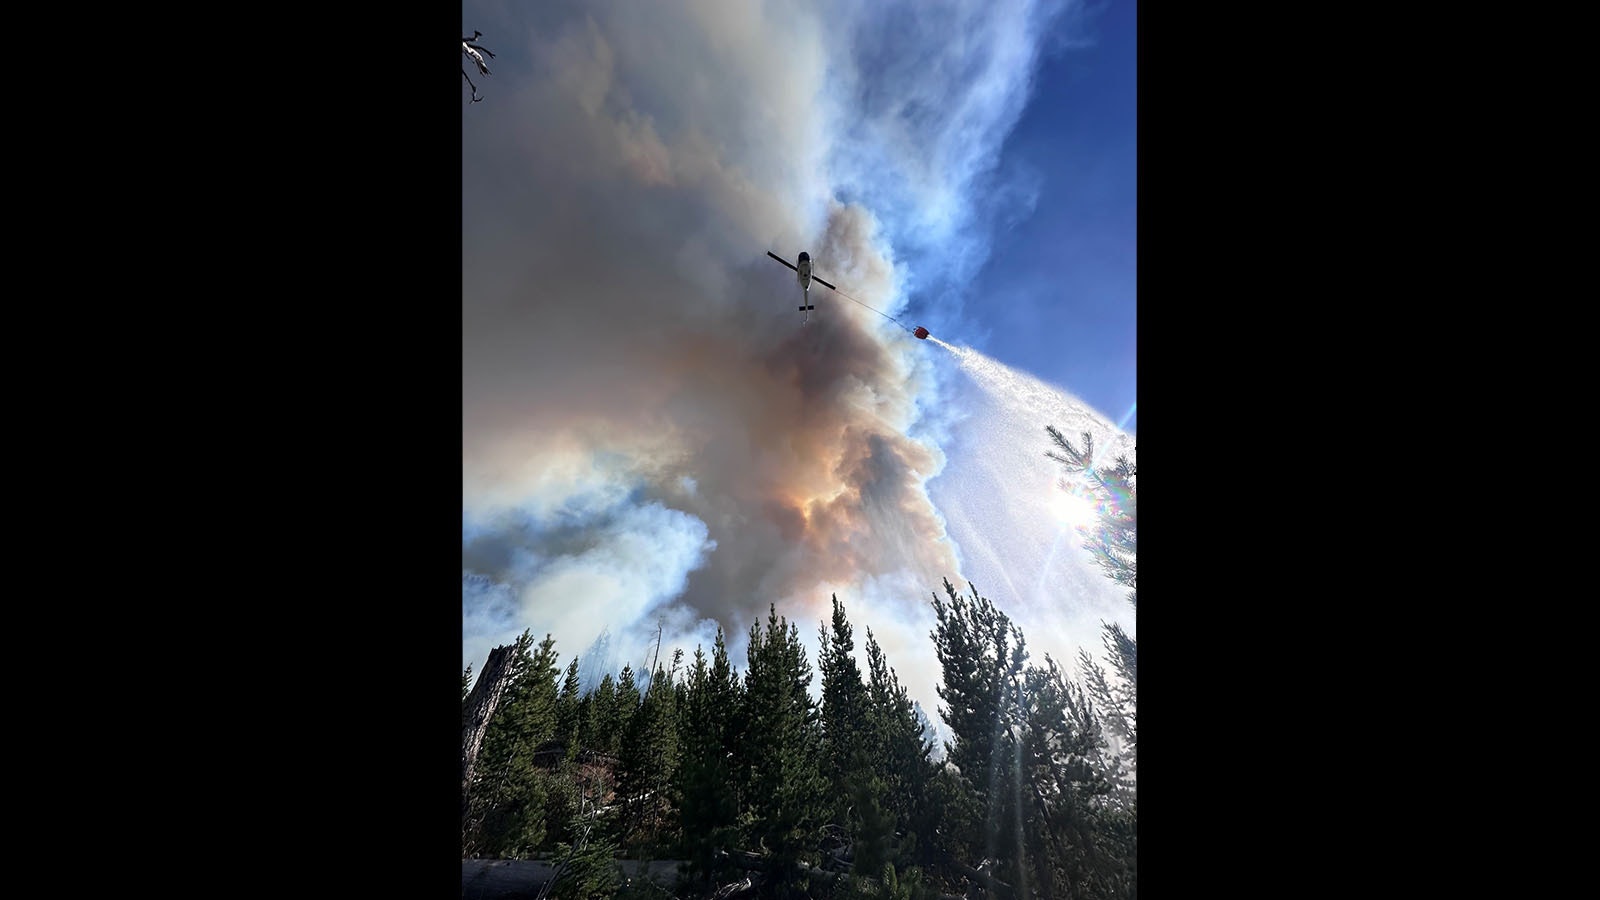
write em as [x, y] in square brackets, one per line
[982, 656]
[628, 700]
[846, 732]
[707, 791]
[899, 750]
[680, 684]
[1023, 790]
[786, 803]
[1113, 705]
[1114, 542]
[728, 716]
[649, 764]
[599, 729]
[696, 773]
[583, 739]
[1071, 848]
[568, 709]
[509, 796]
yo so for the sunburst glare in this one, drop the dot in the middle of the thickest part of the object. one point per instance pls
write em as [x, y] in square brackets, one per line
[1071, 508]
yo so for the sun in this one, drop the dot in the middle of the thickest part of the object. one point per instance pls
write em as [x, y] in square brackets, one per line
[1071, 508]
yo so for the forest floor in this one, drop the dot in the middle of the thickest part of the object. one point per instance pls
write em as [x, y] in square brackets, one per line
[513, 879]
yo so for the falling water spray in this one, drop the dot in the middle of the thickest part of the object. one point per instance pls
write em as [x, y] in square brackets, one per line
[1008, 485]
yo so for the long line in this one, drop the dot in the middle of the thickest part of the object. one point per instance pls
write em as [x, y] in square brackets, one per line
[879, 312]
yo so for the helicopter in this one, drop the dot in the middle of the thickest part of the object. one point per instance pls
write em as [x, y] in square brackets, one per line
[470, 51]
[803, 274]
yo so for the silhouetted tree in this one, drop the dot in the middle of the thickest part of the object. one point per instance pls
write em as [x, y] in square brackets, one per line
[786, 804]
[900, 753]
[1023, 790]
[708, 732]
[846, 731]
[1073, 847]
[982, 656]
[1114, 542]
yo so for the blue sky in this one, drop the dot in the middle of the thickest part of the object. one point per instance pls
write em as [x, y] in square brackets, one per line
[1058, 292]
[651, 435]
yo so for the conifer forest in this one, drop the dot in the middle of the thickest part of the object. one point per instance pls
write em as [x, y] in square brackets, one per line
[782, 776]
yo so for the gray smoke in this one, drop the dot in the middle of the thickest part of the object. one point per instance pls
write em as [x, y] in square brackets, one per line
[650, 436]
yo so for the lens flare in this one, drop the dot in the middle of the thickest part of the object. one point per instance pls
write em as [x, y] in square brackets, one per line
[1072, 509]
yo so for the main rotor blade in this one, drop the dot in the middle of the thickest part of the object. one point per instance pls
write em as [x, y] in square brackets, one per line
[821, 282]
[781, 259]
